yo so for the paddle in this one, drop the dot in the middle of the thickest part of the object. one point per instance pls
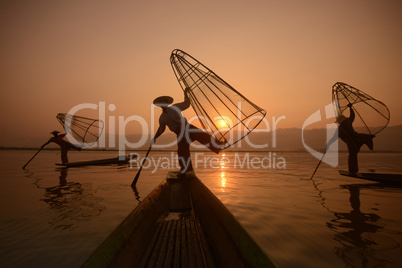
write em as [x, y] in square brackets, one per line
[40, 149]
[143, 161]
[319, 163]
[332, 140]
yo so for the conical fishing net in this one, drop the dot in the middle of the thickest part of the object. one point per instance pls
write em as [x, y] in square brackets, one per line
[372, 115]
[221, 109]
[85, 131]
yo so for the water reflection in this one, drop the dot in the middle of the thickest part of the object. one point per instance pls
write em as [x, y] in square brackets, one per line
[136, 194]
[223, 173]
[72, 202]
[355, 233]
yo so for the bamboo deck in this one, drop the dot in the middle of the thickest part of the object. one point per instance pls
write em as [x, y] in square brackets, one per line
[178, 242]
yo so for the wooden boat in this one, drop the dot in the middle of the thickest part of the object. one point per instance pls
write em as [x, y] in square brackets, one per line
[180, 224]
[107, 161]
[372, 176]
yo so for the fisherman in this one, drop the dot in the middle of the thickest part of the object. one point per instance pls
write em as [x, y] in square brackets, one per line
[353, 140]
[64, 145]
[186, 133]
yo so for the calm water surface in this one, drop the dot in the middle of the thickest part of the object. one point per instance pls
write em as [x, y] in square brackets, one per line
[52, 217]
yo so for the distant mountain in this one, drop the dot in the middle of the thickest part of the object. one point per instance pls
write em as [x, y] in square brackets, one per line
[289, 139]
[389, 139]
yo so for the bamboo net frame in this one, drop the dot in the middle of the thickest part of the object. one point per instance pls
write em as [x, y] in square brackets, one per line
[85, 131]
[221, 109]
[371, 115]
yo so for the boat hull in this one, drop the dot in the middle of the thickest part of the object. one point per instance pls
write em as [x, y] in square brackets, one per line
[99, 162]
[180, 224]
[377, 177]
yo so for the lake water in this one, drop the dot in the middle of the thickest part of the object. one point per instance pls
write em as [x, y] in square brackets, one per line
[53, 217]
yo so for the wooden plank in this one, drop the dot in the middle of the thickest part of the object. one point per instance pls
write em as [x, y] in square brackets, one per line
[151, 245]
[176, 258]
[171, 244]
[198, 254]
[165, 239]
[183, 246]
[207, 254]
[155, 252]
[190, 244]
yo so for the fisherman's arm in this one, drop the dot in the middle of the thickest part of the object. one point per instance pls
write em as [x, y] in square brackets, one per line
[54, 139]
[159, 132]
[333, 139]
[186, 103]
[352, 113]
[49, 141]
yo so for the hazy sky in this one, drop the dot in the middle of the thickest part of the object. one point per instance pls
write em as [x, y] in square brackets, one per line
[283, 55]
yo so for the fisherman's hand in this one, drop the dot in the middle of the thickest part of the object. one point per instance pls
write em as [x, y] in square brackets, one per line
[186, 91]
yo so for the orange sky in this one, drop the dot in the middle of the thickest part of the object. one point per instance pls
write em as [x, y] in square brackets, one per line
[283, 55]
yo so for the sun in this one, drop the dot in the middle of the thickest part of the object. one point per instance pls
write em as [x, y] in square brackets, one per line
[221, 123]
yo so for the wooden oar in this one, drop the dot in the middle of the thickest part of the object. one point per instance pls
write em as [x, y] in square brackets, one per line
[40, 149]
[139, 171]
[332, 140]
[319, 163]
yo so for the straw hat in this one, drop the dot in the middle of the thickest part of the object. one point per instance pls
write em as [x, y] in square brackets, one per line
[55, 132]
[163, 101]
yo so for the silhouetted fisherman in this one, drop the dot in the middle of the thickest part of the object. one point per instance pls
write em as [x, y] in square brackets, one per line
[353, 140]
[64, 145]
[186, 133]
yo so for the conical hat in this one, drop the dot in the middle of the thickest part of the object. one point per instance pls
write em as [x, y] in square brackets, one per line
[163, 101]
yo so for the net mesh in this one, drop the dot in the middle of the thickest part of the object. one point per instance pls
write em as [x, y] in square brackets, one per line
[371, 115]
[84, 131]
[221, 109]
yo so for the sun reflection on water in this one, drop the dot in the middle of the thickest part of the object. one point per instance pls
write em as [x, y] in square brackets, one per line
[223, 173]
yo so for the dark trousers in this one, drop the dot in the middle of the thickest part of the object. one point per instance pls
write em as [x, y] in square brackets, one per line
[192, 134]
[64, 158]
[354, 148]
[64, 150]
[352, 159]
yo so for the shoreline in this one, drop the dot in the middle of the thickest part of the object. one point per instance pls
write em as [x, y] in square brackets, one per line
[171, 150]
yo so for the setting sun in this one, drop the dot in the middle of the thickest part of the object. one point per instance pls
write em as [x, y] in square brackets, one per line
[201, 133]
[221, 123]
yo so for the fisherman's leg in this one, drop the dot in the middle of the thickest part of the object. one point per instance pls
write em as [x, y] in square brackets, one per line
[209, 141]
[367, 139]
[75, 147]
[352, 160]
[184, 157]
[64, 158]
